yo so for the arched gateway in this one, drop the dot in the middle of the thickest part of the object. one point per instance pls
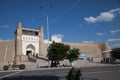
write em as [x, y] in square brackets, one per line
[28, 41]
[30, 49]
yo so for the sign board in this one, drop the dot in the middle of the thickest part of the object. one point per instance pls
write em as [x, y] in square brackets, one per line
[83, 56]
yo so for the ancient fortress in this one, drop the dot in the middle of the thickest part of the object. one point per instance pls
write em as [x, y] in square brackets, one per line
[31, 42]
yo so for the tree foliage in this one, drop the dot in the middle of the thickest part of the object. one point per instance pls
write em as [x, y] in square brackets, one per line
[59, 51]
[116, 53]
[73, 54]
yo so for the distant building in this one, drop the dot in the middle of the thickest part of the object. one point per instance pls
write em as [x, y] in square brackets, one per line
[30, 42]
[56, 38]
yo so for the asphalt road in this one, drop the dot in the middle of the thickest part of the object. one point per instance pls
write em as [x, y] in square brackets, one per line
[91, 73]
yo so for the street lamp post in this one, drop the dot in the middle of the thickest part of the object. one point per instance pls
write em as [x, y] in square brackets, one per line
[46, 22]
[47, 29]
[47, 25]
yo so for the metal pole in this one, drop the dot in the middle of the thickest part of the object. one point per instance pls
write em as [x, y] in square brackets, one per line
[49, 62]
[47, 25]
[47, 28]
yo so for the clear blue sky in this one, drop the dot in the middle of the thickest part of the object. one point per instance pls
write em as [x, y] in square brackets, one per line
[75, 20]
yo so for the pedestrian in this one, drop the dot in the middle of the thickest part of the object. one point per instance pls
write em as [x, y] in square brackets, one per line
[9, 64]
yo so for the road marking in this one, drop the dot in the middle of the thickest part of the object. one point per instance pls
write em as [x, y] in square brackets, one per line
[10, 74]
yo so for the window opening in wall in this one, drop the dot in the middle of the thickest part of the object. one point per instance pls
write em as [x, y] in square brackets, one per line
[36, 33]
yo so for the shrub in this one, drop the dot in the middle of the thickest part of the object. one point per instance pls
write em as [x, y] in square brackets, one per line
[74, 74]
[22, 66]
[5, 67]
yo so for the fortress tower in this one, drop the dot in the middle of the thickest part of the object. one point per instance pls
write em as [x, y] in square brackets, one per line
[18, 42]
[41, 42]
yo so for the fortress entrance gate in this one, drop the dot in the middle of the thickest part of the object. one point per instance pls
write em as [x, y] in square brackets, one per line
[30, 49]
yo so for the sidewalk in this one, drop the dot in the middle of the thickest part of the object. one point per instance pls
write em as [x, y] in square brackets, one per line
[77, 64]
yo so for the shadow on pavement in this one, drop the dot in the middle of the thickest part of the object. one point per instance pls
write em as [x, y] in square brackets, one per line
[44, 77]
[86, 78]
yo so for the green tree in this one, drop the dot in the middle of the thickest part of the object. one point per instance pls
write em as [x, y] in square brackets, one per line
[116, 53]
[73, 54]
[57, 52]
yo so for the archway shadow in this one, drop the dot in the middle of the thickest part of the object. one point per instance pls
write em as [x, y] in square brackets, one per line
[44, 77]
